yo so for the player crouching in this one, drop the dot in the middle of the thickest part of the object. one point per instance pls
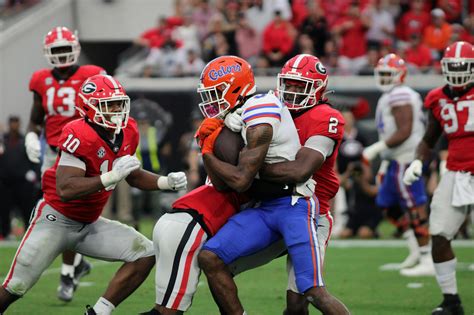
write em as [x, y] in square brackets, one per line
[96, 152]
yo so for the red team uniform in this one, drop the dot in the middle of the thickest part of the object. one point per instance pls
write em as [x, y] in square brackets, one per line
[323, 120]
[456, 116]
[59, 97]
[88, 143]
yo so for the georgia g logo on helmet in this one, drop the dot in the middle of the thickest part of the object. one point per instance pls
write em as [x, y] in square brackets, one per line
[89, 88]
[320, 68]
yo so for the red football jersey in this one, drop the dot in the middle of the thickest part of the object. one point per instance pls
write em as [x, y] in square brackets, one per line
[88, 143]
[456, 116]
[59, 97]
[323, 120]
[215, 207]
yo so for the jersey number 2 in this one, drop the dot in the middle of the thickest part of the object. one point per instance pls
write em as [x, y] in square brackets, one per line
[67, 108]
[333, 122]
[449, 113]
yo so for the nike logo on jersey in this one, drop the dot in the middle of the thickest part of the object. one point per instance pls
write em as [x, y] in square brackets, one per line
[285, 187]
[470, 96]
[75, 81]
[126, 147]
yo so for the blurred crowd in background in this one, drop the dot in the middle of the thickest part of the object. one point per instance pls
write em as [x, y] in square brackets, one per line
[349, 36]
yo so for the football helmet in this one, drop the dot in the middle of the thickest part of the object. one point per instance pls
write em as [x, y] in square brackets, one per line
[103, 100]
[224, 84]
[391, 70]
[61, 47]
[302, 82]
[457, 64]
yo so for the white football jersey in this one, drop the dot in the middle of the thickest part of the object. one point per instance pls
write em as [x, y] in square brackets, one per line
[267, 109]
[386, 126]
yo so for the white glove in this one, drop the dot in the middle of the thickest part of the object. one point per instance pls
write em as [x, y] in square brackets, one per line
[33, 147]
[413, 172]
[234, 121]
[121, 168]
[305, 189]
[373, 150]
[174, 181]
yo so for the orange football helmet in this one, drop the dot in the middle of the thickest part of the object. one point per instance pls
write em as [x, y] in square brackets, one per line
[225, 82]
[61, 47]
[457, 64]
[391, 70]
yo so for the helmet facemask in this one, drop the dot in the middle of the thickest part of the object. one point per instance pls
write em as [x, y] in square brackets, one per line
[106, 113]
[387, 77]
[214, 104]
[458, 72]
[62, 54]
[304, 91]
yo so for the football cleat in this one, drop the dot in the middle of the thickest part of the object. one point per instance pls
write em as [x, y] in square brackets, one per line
[89, 310]
[66, 288]
[448, 309]
[83, 269]
[410, 261]
[424, 268]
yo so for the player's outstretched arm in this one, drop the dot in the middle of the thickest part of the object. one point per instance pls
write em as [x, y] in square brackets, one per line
[145, 180]
[251, 159]
[306, 163]
[71, 183]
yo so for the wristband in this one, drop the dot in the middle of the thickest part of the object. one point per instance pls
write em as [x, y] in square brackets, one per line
[162, 183]
[108, 179]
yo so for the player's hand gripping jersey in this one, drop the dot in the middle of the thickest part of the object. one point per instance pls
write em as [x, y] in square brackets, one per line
[456, 117]
[59, 96]
[88, 143]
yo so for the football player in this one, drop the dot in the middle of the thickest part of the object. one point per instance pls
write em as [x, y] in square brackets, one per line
[55, 93]
[400, 124]
[451, 110]
[95, 153]
[179, 235]
[271, 137]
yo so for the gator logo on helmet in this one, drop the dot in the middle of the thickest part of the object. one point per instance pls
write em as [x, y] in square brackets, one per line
[320, 68]
[216, 74]
[89, 88]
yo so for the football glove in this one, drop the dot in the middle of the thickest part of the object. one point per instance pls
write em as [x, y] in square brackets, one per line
[207, 127]
[234, 120]
[208, 144]
[174, 181]
[413, 172]
[121, 168]
[373, 150]
[33, 147]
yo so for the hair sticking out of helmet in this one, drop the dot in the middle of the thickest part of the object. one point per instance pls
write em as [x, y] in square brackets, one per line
[103, 100]
[61, 47]
[302, 82]
[225, 83]
[389, 72]
[457, 64]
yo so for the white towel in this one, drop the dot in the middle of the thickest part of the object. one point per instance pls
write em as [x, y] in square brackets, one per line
[463, 190]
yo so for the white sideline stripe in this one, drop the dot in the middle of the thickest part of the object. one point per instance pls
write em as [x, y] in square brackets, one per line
[332, 243]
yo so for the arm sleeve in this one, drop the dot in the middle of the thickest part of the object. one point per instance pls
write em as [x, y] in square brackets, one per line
[399, 98]
[266, 112]
[70, 160]
[322, 144]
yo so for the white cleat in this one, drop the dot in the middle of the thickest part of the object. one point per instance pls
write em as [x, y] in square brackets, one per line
[423, 269]
[410, 261]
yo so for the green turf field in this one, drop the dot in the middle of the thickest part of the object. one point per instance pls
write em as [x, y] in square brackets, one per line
[352, 274]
